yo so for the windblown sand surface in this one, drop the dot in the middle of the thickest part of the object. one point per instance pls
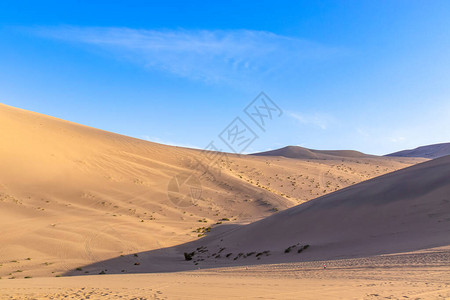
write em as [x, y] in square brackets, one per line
[419, 275]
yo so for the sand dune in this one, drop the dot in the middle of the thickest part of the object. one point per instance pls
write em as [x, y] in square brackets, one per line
[305, 153]
[430, 151]
[75, 200]
[71, 195]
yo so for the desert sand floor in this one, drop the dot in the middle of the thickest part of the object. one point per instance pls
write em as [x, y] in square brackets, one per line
[415, 275]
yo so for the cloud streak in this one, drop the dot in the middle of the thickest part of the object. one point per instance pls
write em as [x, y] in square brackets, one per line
[206, 55]
[320, 120]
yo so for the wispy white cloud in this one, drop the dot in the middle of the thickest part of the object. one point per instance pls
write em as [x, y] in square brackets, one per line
[321, 120]
[207, 55]
[167, 142]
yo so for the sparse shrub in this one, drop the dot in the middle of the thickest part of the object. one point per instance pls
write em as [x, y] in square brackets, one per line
[303, 248]
[188, 256]
[202, 249]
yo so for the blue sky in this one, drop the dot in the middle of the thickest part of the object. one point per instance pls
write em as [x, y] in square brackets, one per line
[372, 76]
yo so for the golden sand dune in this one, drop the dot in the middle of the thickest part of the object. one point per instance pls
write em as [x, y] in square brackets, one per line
[71, 195]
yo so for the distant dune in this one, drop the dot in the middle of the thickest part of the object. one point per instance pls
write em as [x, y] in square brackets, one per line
[305, 153]
[430, 151]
